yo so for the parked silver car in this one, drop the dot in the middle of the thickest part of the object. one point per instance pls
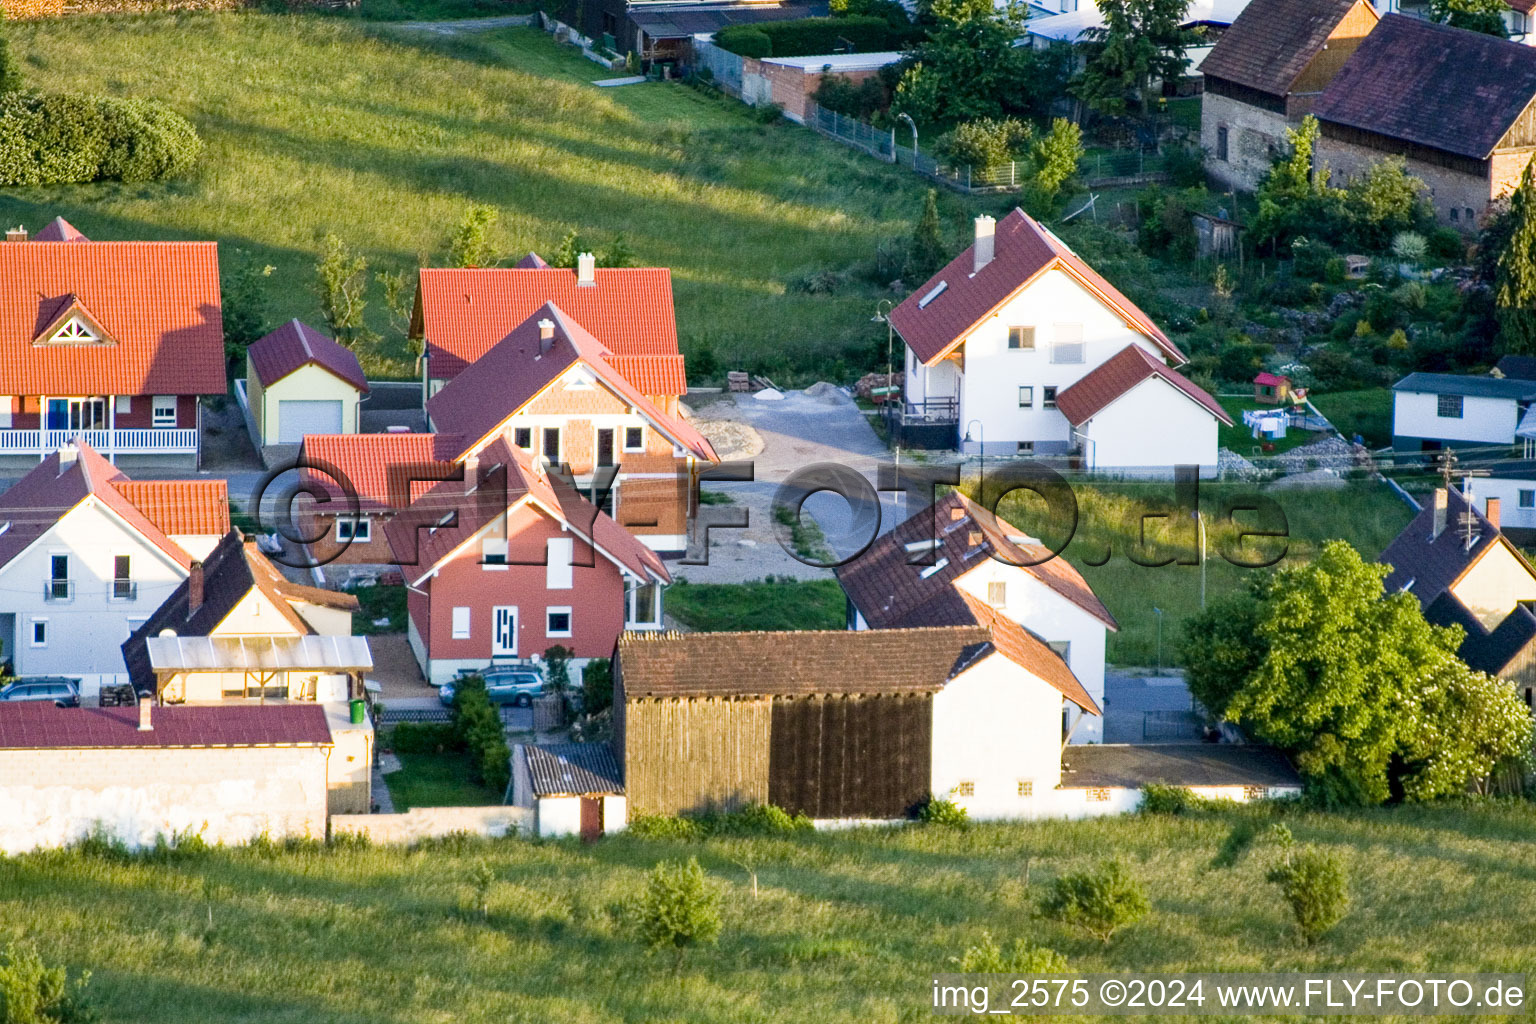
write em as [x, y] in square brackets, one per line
[515, 685]
[63, 693]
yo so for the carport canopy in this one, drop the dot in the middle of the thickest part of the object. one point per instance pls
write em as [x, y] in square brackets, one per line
[330, 654]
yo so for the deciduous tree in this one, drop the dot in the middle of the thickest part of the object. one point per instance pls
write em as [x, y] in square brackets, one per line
[342, 284]
[471, 244]
[1485, 16]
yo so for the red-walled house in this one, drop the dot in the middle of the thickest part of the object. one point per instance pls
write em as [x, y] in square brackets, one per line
[109, 341]
[553, 390]
[508, 562]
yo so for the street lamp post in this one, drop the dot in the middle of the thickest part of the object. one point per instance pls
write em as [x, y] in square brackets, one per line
[913, 124]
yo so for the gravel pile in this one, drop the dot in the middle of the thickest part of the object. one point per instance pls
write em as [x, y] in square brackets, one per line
[1332, 452]
[1232, 466]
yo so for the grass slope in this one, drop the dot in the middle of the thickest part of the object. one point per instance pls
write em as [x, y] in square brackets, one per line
[320, 124]
[714, 607]
[847, 929]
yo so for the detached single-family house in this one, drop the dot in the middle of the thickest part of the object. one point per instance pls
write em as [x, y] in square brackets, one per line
[110, 341]
[1457, 562]
[1265, 74]
[509, 561]
[555, 392]
[844, 725]
[1456, 105]
[369, 479]
[87, 555]
[956, 564]
[572, 788]
[1018, 347]
[299, 382]
[225, 774]
[236, 632]
[1431, 411]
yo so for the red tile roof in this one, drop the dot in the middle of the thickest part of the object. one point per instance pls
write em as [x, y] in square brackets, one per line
[158, 301]
[295, 345]
[45, 495]
[533, 261]
[1023, 249]
[180, 507]
[501, 479]
[496, 386]
[1024, 648]
[1119, 374]
[36, 725]
[1267, 379]
[463, 313]
[379, 466]
[892, 592]
[59, 230]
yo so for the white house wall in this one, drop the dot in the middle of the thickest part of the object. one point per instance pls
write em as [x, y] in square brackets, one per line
[1149, 430]
[1511, 515]
[1054, 619]
[559, 815]
[995, 726]
[84, 634]
[993, 372]
[1487, 420]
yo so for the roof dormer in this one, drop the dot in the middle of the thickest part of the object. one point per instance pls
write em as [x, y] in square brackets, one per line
[73, 324]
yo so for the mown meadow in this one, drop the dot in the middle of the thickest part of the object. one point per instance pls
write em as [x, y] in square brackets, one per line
[383, 136]
[846, 927]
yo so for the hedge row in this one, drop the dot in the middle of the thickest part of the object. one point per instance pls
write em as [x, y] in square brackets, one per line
[61, 139]
[477, 725]
[806, 36]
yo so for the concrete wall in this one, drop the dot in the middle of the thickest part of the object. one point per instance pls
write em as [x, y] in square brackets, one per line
[1151, 428]
[228, 795]
[1254, 135]
[430, 822]
[1483, 420]
[84, 633]
[1079, 802]
[995, 726]
[1054, 619]
[561, 815]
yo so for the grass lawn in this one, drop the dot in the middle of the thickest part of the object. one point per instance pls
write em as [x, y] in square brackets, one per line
[317, 124]
[712, 607]
[847, 927]
[436, 780]
[379, 602]
[1367, 413]
[1367, 515]
[1240, 438]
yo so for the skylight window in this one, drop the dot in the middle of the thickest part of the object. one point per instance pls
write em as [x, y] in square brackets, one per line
[921, 545]
[934, 293]
[935, 567]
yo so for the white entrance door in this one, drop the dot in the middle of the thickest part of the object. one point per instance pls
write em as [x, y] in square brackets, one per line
[295, 419]
[503, 631]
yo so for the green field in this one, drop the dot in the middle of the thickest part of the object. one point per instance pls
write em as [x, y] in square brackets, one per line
[1365, 514]
[320, 124]
[846, 929]
[1240, 439]
[1367, 413]
[712, 607]
[436, 780]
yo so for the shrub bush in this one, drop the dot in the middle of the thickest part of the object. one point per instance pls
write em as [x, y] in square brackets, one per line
[1159, 799]
[477, 725]
[985, 142]
[806, 36]
[938, 811]
[597, 677]
[678, 909]
[33, 993]
[424, 738]
[664, 826]
[751, 820]
[745, 41]
[1101, 901]
[986, 957]
[1315, 885]
[63, 139]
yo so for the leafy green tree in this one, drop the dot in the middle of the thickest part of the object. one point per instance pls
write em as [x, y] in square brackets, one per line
[619, 254]
[1385, 201]
[678, 909]
[398, 299]
[1294, 201]
[597, 686]
[925, 251]
[471, 244]
[1314, 885]
[1100, 901]
[557, 668]
[1140, 40]
[31, 992]
[985, 142]
[1485, 16]
[1057, 156]
[571, 248]
[342, 284]
[1369, 698]
[1514, 291]
[11, 79]
[246, 311]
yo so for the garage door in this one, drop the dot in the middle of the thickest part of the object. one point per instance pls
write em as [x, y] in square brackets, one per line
[295, 419]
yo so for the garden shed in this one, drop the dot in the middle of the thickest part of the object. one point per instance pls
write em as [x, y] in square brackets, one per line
[301, 382]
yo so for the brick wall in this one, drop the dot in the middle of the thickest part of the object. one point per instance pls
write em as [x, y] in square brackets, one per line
[231, 795]
[1253, 136]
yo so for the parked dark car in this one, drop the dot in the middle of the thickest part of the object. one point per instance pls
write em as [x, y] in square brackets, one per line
[64, 693]
[516, 686]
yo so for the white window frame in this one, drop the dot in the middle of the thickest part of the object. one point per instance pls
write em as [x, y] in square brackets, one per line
[1063, 343]
[1026, 396]
[559, 556]
[158, 417]
[559, 444]
[625, 439]
[461, 620]
[491, 548]
[570, 621]
[32, 639]
[1048, 396]
[358, 531]
[630, 621]
[1032, 335]
[75, 331]
[532, 435]
[133, 624]
[997, 593]
[1441, 403]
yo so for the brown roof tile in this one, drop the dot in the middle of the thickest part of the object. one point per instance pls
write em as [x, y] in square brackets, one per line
[1272, 42]
[37, 725]
[1022, 250]
[1433, 85]
[1105, 383]
[296, 344]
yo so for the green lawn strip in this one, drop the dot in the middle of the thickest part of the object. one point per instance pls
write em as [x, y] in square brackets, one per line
[436, 780]
[378, 602]
[1367, 413]
[1240, 439]
[713, 607]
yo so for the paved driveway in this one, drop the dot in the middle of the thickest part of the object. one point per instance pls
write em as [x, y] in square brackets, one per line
[1148, 709]
[820, 426]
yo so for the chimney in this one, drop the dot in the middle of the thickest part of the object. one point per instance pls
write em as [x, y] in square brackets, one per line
[1492, 513]
[986, 235]
[16, 234]
[471, 473]
[194, 589]
[586, 269]
[68, 456]
[145, 704]
[1438, 504]
[546, 335]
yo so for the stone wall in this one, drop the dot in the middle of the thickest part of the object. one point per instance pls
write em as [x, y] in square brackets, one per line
[1452, 192]
[1254, 135]
[226, 795]
[429, 822]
